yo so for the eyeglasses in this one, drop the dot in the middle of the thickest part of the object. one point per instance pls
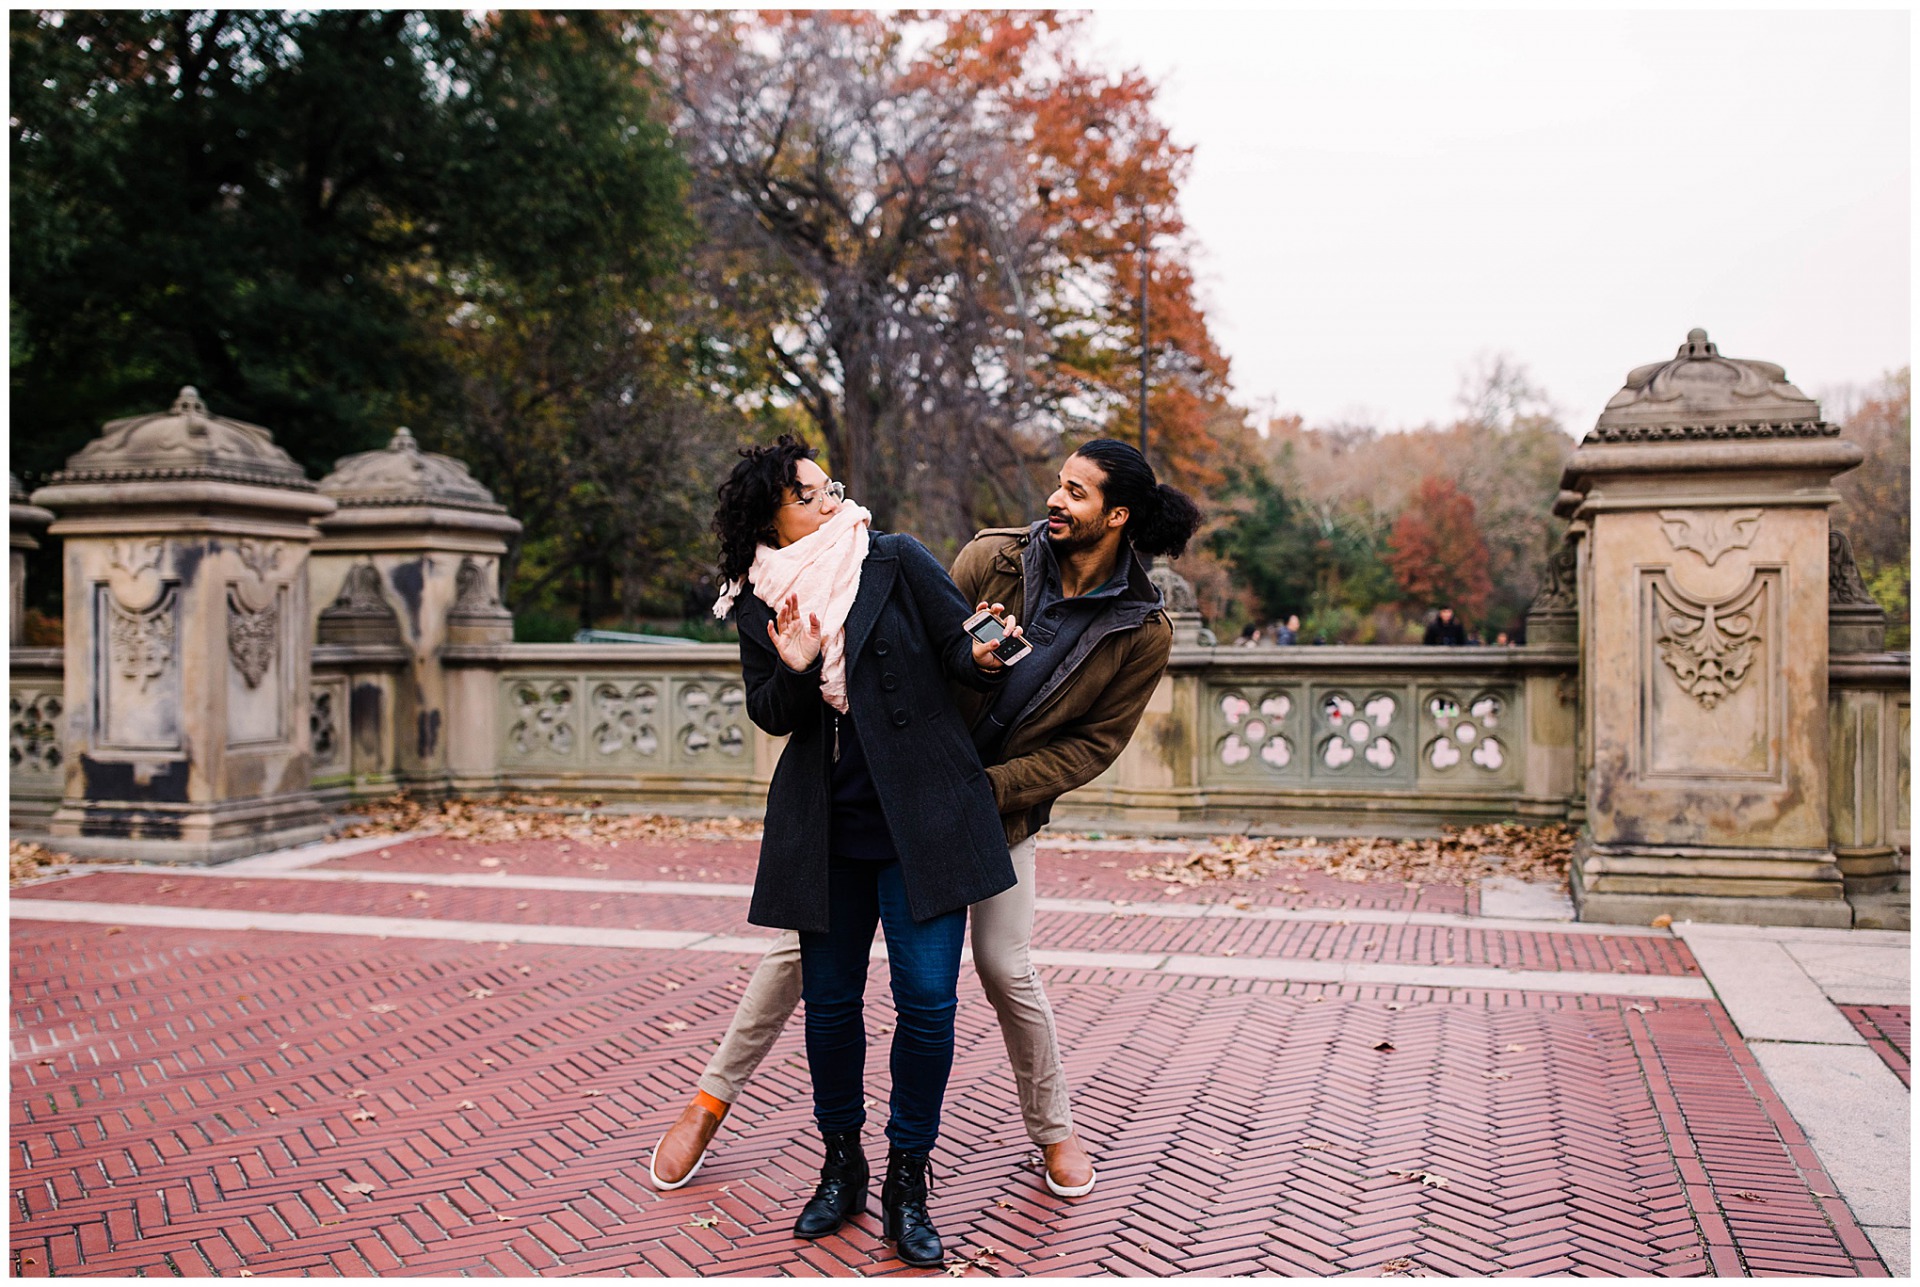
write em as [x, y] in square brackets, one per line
[836, 490]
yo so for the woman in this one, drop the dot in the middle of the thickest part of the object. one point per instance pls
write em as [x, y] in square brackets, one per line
[878, 811]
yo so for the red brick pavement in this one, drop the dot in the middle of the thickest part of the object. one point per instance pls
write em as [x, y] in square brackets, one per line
[195, 1102]
[1064, 874]
[1889, 1030]
[1119, 931]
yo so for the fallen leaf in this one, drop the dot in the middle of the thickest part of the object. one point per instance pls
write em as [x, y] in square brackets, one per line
[467, 1104]
[356, 1093]
[418, 895]
[1749, 1195]
[1240, 904]
[1662, 921]
[957, 1268]
[1398, 1265]
[1498, 1076]
[592, 1094]
[243, 1273]
[675, 1026]
[521, 907]
[480, 994]
[1427, 1178]
[47, 1063]
[501, 1218]
[703, 1222]
[1641, 1009]
[670, 987]
[382, 1009]
[1512, 1049]
[1395, 1005]
[362, 1116]
[358, 1188]
[489, 862]
[1383, 1045]
[1317, 1145]
[116, 929]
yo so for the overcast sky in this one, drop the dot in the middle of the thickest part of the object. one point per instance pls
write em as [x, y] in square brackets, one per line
[1381, 197]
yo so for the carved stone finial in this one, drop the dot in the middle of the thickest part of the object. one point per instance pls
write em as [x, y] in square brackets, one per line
[401, 474]
[1855, 620]
[1700, 395]
[184, 442]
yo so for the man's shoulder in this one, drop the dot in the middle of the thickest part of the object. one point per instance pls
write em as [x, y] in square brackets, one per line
[989, 544]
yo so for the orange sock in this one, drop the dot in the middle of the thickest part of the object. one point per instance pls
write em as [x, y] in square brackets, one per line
[718, 1107]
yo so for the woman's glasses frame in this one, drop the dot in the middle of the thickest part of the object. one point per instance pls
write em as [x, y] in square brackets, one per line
[836, 490]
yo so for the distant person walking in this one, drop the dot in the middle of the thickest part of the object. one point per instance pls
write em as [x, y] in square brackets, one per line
[1445, 630]
[1287, 634]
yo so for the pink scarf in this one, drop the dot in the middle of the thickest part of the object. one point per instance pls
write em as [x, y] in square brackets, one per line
[823, 569]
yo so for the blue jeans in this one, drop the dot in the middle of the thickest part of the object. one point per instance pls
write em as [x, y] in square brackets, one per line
[924, 958]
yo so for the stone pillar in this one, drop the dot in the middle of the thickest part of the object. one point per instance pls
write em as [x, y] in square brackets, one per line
[433, 538]
[23, 521]
[1704, 488]
[187, 661]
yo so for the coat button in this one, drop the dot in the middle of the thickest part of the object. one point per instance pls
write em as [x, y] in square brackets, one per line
[881, 647]
[900, 719]
[889, 682]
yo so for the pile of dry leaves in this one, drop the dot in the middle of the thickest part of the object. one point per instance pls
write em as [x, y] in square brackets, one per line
[1459, 857]
[536, 817]
[27, 861]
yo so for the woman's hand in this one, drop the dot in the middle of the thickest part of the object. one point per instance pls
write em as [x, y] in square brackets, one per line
[984, 655]
[798, 644]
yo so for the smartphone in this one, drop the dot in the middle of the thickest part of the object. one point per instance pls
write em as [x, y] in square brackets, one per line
[989, 629]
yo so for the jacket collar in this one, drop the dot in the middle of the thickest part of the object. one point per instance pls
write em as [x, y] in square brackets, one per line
[1129, 608]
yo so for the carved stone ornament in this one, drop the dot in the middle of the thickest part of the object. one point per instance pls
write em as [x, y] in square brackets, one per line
[476, 593]
[360, 613]
[133, 572]
[1176, 592]
[1561, 591]
[253, 637]
[141, 642]
[402, 474]
[1710, 532]
[1843, 573]
[322, 730]
[1699, 395]
[1709, 647]
[184, 442]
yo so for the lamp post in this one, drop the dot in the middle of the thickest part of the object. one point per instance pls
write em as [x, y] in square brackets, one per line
[1143, 330]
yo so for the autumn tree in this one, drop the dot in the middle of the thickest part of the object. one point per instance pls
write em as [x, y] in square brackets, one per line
[927, 228]
[1876, 500]
[1437, 553]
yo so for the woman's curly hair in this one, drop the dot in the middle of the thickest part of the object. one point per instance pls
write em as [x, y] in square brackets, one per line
[751, 496]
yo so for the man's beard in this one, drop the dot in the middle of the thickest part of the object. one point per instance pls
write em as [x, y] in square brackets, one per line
[1077, 537]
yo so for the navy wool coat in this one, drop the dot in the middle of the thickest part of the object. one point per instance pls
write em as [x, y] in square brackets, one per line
[904, 642]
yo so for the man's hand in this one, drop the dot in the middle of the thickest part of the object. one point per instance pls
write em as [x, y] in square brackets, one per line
[984, 655]
[796, 643]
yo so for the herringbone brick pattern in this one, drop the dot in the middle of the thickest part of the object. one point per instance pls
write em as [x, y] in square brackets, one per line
[190, 1102]
[1889, 1030]
[1225, 934]
[1093, 873]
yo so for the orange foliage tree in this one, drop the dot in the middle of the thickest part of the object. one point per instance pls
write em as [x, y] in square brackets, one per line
[928, 226]
[1437, 553]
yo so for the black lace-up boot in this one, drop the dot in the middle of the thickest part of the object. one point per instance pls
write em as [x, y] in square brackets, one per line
[842, 1192]
[903, 1210]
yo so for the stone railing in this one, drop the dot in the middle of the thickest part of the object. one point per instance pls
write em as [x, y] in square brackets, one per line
[1869, 750]
[36, 754]
[1321, 738]
[1343, 739]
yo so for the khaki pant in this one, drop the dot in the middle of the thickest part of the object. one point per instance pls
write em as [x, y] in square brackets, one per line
[1002, 934]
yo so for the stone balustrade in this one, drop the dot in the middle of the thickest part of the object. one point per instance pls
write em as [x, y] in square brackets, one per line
[1732, 742]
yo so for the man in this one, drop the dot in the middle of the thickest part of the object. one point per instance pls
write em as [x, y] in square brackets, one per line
[1289, 633]
[1101, 640]
[1445, 631]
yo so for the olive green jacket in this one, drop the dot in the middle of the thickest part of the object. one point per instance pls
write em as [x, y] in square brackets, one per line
[1082, 719]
